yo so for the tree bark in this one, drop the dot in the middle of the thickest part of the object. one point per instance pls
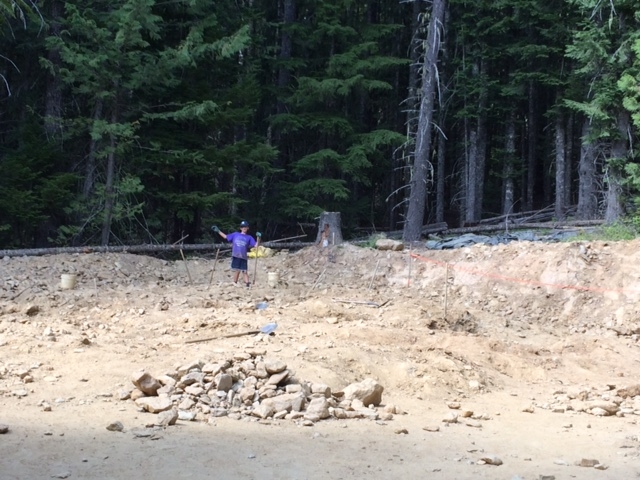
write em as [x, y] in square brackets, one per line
[401, 169]
[532, 157]
[440, 177]
[482, 156]
[414, 71]
[469, 177]
[510, 153]
[329, 229]
[560, 167]
[109, 200]
[90, 166]
[568, 162]
[421, 164]
[474, 184]
[441, 142]
[619, 152]
[587, 199]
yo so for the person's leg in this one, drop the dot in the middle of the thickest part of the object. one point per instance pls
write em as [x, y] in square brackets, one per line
[236, 266]
[243, 266]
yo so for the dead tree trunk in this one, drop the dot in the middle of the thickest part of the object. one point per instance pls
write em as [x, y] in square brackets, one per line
[329, 229]
[421, 164]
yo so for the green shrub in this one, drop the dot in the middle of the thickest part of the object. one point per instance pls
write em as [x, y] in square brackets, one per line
[620, 231]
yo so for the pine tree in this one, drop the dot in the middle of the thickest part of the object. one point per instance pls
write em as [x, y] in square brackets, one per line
[603, 51]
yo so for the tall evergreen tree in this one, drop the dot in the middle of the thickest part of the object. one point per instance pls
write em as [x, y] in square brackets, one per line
[603, 51]
[124, 64]
[339, 128]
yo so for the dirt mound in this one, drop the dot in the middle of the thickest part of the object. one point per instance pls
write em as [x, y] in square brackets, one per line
[490, 325]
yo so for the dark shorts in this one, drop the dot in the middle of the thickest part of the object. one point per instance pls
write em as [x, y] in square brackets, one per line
[239, 264]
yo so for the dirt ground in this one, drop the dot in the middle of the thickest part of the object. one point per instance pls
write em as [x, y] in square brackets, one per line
[536, 343]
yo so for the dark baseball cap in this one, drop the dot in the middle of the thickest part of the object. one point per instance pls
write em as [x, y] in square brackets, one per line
[244, 223]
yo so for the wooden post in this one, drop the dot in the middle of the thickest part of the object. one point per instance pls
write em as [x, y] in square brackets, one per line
[186, 266]
[329, 229]
[215, 262]
[317, 280]
[255, 270]
[446, 291]
[409, 276]
[374, 274]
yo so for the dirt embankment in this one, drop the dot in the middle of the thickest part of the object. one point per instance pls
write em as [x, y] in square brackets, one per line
[529, 337]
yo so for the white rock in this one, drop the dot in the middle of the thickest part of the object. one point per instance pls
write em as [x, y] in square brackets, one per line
[154, 404]
[388, 244]
[275, 366]
[263, 411]
[599, 412]
[491, 460]
[450, 418]
[317, 409]
[186, 416]
[369, 392]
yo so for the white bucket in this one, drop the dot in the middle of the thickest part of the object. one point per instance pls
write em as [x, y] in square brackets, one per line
[273, 278]
[68, 281]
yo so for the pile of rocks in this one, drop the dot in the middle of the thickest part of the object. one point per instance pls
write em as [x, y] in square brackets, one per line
[250, 386]
[602, 402]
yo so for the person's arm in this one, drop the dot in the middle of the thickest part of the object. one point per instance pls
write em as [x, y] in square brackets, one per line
[219, 232]
[253, 242]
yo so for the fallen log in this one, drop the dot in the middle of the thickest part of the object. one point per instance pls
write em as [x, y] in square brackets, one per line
[524, 226]
[434, 228]
[549, 210]
[148, 248]
[425, 230]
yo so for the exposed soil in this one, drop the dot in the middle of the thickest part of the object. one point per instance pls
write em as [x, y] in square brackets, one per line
[532, 338]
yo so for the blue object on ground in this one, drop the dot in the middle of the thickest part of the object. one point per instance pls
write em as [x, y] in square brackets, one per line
[269, 328]
[469, 239]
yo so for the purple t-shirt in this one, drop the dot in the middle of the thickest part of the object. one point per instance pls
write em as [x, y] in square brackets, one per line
[241, 243]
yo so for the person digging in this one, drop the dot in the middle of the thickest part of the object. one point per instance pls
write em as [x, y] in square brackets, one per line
[241, 243]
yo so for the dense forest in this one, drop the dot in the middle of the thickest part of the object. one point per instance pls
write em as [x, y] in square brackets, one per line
[146, 121]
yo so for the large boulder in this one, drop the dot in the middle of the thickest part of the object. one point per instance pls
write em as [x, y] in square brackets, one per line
[368, 391]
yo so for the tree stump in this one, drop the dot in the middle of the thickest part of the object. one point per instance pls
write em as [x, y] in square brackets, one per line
[329, 229]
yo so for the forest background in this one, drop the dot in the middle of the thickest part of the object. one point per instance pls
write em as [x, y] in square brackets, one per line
[145, 121]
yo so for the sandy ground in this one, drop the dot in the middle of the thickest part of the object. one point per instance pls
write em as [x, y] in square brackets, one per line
[529, 338]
